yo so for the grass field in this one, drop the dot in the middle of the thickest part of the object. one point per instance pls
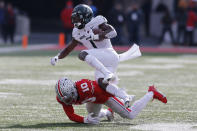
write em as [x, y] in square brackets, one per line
[27, 95]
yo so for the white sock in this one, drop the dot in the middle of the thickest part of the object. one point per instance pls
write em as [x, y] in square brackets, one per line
[95, 63]
[118, 92]
[140, 104]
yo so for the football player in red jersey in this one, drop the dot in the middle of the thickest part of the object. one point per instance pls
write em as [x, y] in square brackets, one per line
[89, 92]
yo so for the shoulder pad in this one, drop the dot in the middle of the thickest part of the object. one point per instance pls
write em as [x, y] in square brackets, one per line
[97, 21]
[100, 19]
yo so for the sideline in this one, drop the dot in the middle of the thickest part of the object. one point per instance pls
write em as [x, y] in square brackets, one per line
[192, 50]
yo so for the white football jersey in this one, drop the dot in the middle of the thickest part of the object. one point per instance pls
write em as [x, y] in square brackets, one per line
[81, 35]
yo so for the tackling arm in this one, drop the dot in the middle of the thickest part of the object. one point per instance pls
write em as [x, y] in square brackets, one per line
[71, 114]
[68, 109]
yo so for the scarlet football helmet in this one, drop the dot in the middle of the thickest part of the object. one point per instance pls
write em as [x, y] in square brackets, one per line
[66, 91]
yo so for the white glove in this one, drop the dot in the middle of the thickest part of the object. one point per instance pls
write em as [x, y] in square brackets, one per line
[92, 36]
[54, 60]
[91, 120]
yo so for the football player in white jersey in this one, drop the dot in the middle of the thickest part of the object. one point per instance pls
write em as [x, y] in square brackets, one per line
[100, 53]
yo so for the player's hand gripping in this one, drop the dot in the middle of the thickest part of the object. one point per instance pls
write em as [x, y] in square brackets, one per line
[54, 60]
[92, 36]
[91, 120]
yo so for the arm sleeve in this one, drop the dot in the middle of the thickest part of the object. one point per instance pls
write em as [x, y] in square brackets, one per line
[68, 109]
[71, 114]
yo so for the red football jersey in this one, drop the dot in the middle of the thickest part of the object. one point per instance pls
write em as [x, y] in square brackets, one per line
[88, 91]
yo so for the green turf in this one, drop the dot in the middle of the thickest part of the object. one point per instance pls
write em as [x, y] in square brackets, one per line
[30, 104]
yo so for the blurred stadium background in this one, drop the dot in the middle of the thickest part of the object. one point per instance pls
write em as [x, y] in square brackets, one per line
[41, 20]
[27, 96]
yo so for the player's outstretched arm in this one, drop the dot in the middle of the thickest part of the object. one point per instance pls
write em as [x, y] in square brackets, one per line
[68, 49]
[80, 119]
[69, 111]
[72, 44]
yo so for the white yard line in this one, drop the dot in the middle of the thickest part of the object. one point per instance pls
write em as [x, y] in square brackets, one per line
[149, 66]
[26, 82]
[8, 94]
[91, 73]
[165, 127]
[52, 82]
[30, 47]
[178, 61]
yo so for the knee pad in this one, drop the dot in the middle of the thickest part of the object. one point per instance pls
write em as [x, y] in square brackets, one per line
[82, 55]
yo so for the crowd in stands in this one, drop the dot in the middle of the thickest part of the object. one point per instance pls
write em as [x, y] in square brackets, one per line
[7, 21]
[132, 20]
[130, 17]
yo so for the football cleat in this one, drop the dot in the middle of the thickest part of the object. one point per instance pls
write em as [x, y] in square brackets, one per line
[129, 100]
[157, 95]
[108, 78]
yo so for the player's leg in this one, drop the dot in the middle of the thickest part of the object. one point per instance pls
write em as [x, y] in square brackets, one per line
[91, 57]
[130, 113]
[116, 91]
[93, 108]
[140, 104]
[117, 106]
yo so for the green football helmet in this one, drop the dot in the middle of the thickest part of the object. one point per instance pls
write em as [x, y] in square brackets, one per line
[81, 15]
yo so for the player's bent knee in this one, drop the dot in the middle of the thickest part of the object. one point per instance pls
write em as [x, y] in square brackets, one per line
[101, 84]
[82, 55]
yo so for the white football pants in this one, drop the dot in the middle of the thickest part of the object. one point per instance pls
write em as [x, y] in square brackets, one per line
[108, 57]
[117, 106]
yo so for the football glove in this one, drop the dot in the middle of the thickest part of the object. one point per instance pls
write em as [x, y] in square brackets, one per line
[91, 120]
[54, 60]
[93, 36]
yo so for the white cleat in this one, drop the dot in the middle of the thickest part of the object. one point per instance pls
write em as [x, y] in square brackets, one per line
[129, 100]
[108, 78]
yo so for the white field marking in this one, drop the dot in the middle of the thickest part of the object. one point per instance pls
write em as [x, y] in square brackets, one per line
[176, 61]
[172, 111]
[148, 66]
[26, 115]
[188, 55]
[8, 94]
[34, 107]
[75, 73]
[91, 73]
[165, 127]
[26, 82]
[14, 72]
[177, 84]
[52, 82]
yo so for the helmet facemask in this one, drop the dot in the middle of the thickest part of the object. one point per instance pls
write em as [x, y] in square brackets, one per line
[78, 21]
[81, 15]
